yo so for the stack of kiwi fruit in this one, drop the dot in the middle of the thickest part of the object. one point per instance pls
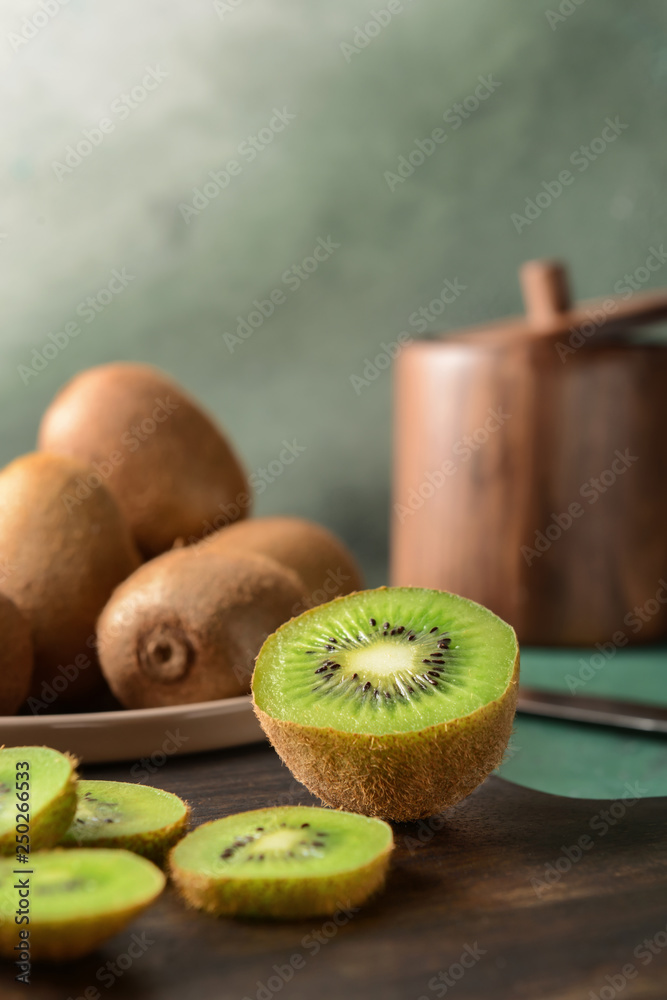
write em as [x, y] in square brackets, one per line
[128, 562]
[128, 556]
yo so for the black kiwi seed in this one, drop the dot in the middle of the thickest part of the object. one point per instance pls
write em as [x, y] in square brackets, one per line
[354, 676]
[411, 638]
[400, 630]
[434, 629]
[318, 843]
[444, 644]
[304, 825]
[373, 622]
[385, 626]
[367, 686]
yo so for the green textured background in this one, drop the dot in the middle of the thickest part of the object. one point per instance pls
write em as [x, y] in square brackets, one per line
[324, 175]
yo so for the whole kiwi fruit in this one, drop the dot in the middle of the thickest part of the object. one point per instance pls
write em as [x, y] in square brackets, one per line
[187, 626]
[170, 468]
[66, 546]
[326, 567]
[16, 657]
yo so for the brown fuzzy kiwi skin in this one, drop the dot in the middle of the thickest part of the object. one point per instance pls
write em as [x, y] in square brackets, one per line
[66, 548]
[173, 477]
[187, 626]
[48, 827]
[328, 569]
[404, 776]
[281, 899]
[16, 657]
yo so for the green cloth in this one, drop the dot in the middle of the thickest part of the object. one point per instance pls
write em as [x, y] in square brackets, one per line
[583, 760]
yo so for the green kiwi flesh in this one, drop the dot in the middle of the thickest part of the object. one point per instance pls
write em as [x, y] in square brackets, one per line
[394, 702]
[47, 786]
[139, 818]
[287, 862]
[77, 900]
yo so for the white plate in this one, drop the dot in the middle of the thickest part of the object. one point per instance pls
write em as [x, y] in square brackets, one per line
[132, 734]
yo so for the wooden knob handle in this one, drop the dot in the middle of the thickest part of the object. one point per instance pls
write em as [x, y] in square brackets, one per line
[546, 294]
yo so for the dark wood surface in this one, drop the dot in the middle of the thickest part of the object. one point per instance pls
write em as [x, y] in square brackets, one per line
[463, 880]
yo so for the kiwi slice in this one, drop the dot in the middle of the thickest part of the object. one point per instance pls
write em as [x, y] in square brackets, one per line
[394, 702]
[287, 862]
[77, 899]
[137, 818]
[46, 787]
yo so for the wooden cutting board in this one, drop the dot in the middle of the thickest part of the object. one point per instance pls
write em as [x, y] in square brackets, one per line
[493, 885]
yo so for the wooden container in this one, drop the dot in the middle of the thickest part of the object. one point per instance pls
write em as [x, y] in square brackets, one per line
[531, 467]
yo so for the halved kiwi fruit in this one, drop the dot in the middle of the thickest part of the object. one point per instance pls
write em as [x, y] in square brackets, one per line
[38, 790]
[138, 818]
[394, 702]
[286, 863]
[77, 899]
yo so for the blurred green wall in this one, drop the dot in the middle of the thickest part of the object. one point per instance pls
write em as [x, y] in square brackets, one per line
[360, 100]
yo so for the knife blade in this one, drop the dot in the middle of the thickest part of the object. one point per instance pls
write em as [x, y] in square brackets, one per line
[592, 709]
